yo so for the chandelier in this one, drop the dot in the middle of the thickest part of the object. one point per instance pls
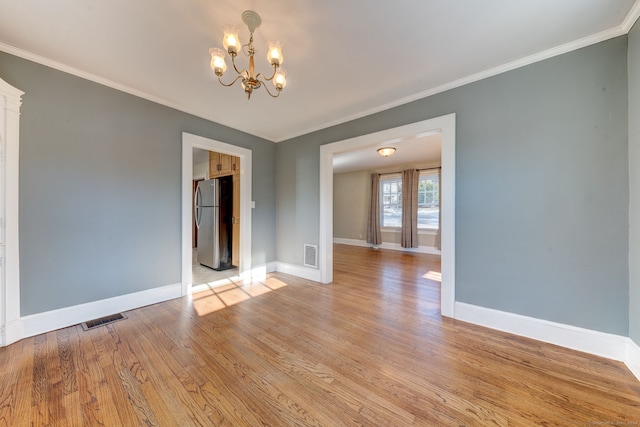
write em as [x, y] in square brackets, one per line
[248, 77]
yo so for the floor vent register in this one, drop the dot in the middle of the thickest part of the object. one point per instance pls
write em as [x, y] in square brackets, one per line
[91, 324]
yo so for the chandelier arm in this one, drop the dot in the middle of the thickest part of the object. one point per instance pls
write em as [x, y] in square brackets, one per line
[246, 48]
[275, 70]
[230, 84]
[269, 92]
[233, 61]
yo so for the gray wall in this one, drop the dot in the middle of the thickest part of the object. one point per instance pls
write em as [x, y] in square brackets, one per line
[541, 187]
[100, 183]
[351, 204]
[297, 192]
[634, 183]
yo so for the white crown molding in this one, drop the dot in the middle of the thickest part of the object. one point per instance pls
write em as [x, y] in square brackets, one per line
[7, 90]
[537, 57]
[85, 75]
[621, 29]
[631, 18]
[33, 57]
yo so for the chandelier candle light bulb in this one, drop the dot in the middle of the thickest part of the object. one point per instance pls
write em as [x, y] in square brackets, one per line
[248, 77]
[218, 64]
[275, 53]
[280, 79]
[231, 41]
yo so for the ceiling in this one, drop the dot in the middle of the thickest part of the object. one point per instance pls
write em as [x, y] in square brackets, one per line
[345, 59]
[418, 151]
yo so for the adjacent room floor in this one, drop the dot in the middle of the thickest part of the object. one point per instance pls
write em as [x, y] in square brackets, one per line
[202, 275]
[369, 349]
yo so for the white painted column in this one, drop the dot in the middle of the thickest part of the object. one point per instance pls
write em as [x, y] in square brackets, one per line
[10, 103]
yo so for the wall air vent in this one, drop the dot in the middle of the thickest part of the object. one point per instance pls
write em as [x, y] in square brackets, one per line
[90, 324]
[311, 255]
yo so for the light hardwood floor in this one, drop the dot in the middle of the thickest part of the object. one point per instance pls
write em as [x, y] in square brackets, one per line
[369, 349]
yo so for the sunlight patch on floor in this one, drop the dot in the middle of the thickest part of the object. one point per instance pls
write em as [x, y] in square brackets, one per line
[433, 275]
[274, 283]
[214, 296]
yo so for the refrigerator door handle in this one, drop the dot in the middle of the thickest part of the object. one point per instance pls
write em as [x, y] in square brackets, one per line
[196, 207]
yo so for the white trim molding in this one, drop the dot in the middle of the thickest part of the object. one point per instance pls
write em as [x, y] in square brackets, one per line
[259, 272]
[610, 33]
[610, 346]
[446, 126]
[299, 271]
[55, 319]
[189, 142]
[631, 18]
[10, 104]
[386, 245]
[593, 342]
[633, 358]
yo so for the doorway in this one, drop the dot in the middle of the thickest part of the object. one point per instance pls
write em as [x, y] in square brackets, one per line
[446, 125]
[189, 142]
[352, 187]
[208, 271]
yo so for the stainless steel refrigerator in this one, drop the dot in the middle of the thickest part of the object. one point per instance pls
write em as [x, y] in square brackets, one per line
[213, 204]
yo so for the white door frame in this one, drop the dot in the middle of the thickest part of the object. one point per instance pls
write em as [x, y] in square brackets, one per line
[10, 103]
[189, 142]
[446, 126]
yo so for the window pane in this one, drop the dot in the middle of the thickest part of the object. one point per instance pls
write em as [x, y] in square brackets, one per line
[391, 197]
[428, 201]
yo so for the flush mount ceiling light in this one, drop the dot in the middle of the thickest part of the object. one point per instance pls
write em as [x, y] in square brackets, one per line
[249, 79]
[386, 151]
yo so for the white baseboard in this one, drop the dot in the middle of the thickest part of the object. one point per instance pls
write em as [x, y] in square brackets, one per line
[352, 242]
[633, 358]
[61, 318]
[246, 277]
[593, 342]
[259, 272]
[13, 331]
[386, 245]
[296, 270]
[55, 319]
[602, 344]
[263, 269]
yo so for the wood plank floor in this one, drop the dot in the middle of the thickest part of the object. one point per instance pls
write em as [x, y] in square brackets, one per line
[370, 349]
